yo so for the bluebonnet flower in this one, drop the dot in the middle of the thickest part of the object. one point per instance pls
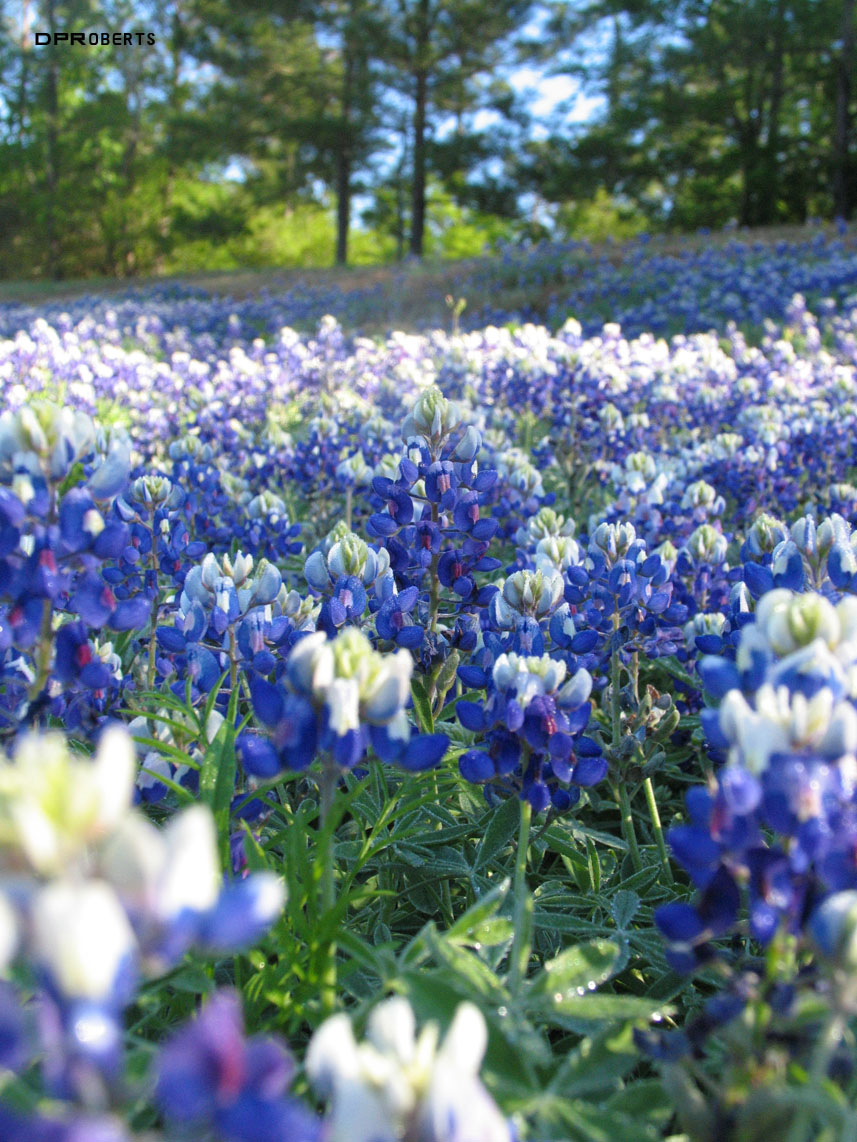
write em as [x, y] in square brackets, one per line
[16, 1126]
[126, 896]
[397, 1085]
[532, 721]
[782, 820]
[215, 615]
[344, 570]
[431, 522]
[212, 1078]
[340, 697]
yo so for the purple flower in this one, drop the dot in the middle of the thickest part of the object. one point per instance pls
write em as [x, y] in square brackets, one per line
[211, 1077]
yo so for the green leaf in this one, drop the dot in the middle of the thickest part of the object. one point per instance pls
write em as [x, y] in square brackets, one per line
[193, 979]
[561, 922]
[576, 970]
[605, 1007]
[596, 1064]
[217, 776]
[75, 476]
[593, 864]
[675, 668]
[472, 925]
[591, 1123]
[643, 1099]
[257, 858]
[422, 705]
[623, 908]
[501, 828]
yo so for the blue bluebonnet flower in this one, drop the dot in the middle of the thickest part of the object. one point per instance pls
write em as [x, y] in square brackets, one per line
[127, 897]
[782, 820]
[532, 721]
[16, 1126]
[431, 521]
[344, 570]
[212, 1078]
[340, 696]
[224, 612]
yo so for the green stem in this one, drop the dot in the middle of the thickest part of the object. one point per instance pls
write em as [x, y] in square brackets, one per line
[658, 828]
[828, 1041]
[43, 657]
[615, 700]
[328, 783]
[520, 953]
[620, 791]
[153, 637]
[434, 603]
[233, 661]
[327, 792]
[349, 498]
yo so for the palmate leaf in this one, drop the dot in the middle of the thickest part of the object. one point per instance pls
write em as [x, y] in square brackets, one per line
[579, 1120]
[596, 1064]
[575, 971]
[579, 1013]
[422, 705]
[502, 826]
[480, 923]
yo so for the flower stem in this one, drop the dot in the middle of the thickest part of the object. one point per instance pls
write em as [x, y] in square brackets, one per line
[327, 897]
[620, 791]
[829, 1040]
[520, 954]
[233, 661]
[153, 637]
[327, 792]
[43, 657]
[658, 828]
[615, 700]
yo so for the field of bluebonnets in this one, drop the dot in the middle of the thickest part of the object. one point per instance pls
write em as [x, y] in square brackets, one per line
[439, 737]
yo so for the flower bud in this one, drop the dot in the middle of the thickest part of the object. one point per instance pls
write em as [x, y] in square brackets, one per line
[833, 926]
[791, 621]
[266, 506]
[237, 567]
[468, 446]
[315, 571]
[707, 545]
[433, 417]
[354, 471]
[614, 539]
[348, 556]
[765, 534]
[805, 537]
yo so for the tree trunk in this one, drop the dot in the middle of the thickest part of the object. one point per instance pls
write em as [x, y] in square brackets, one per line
[52, 156]
[843, 193]
[771, 163]
[421, 74]
[343, 162]
[176, 39]
[418, 194]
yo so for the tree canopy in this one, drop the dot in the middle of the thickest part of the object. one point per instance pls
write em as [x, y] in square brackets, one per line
[281, 131]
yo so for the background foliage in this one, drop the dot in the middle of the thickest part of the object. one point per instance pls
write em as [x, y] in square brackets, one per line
[291, 133]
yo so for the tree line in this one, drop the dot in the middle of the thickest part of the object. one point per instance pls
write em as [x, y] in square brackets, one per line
[273, 131]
